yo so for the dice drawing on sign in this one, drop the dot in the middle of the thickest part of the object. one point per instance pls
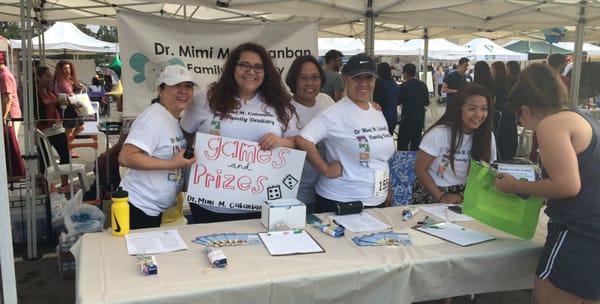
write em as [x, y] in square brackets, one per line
[273, 192]
[289, 181]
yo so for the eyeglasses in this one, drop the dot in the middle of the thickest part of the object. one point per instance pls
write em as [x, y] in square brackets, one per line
[246, 66]
[313, 78]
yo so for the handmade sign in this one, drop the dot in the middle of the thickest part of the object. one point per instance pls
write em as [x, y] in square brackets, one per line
[237, 174]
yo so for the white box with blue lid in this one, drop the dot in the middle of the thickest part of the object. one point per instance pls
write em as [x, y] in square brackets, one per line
[281, 213]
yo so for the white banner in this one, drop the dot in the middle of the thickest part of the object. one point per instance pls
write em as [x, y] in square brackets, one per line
[148, 44]
[237, 174]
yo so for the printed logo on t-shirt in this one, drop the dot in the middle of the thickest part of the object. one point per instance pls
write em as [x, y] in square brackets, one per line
[365, 151]
[179, 143]
[461, 156]
[444, 164]
[215, 127]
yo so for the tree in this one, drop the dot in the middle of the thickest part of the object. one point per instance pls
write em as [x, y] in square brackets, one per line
[107, 33]
[84, 29]
[10, 30]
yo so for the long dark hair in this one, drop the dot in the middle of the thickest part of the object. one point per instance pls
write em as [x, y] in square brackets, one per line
[500, 78]
[384, 71]
[59, 75]
[483, 76]
[452, 118]
[38, 107]
[512, 73]
[539, 87]
[294, 72]
[222, 94]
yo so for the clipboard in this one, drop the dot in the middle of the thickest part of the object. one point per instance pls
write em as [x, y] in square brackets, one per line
[290, 242]
[455, 234]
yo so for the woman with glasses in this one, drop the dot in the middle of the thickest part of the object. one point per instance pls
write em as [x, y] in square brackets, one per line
[247, 102]
[357, 141]
[305, 79]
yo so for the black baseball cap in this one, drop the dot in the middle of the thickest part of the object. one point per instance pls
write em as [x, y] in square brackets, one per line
[360, 64]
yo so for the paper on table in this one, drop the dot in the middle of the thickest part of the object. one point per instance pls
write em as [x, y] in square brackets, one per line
[442, 212]
[361, 222]
[154, 242]
[455, 234]
[289, 242]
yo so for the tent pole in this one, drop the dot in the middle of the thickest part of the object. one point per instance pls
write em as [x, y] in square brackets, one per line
[576, 73]
[425, 56]
[38, 26]
[30, 153]
[7, 262]
[370, 30]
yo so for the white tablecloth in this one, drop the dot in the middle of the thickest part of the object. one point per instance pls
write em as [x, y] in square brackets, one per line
[430, 269]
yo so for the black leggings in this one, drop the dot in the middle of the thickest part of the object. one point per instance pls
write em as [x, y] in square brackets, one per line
[202, 215]
[138, 219]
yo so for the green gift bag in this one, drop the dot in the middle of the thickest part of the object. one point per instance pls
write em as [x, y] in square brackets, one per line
[507, 212]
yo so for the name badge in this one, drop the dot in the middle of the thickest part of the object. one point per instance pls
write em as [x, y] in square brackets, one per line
[382, 183]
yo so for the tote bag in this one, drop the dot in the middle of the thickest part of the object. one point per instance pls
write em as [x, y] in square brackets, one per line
[507, 212]
[82, 104]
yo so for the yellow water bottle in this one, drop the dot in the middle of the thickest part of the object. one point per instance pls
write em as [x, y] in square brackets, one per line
[120, 212]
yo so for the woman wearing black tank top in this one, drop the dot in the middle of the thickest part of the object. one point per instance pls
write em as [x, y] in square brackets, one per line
[569, 147]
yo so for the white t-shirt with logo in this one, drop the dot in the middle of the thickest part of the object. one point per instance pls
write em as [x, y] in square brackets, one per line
[156, 132]
[250, 122]
[310, 175]
[360, 140]
[437, 143]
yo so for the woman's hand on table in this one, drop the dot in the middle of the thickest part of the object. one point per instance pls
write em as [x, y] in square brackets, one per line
[506, 183]
[334, 169]
[451, 198]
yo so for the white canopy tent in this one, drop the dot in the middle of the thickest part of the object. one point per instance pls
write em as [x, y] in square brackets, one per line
[353, 46]
[440, 49]
[487, 50]
[63, 36]
[592, 50]
[348, 46]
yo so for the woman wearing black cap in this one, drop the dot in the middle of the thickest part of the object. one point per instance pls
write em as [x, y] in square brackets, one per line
[358, 143]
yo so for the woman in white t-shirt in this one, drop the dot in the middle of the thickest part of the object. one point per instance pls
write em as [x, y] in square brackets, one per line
[462, 133]
[155, 158]
[247, 102]
[358, 144]
[305, 79]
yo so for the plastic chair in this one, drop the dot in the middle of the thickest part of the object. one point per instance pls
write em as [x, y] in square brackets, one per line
[402, 176]
[53, 168]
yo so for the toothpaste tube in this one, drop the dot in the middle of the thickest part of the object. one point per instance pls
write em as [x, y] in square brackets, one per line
[334, 231]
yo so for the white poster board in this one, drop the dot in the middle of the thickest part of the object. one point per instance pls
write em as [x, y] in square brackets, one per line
[148, 44]
[237, 174]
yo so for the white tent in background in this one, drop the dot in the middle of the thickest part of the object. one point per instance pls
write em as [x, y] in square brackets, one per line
[64, 36]
[440, 49]
[353, 46]
[487, 50]
[592, 50]
[394, 48]
[348, 46]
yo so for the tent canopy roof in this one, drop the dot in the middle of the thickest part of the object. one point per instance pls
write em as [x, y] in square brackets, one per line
[66, 36]
[485, 49]
[396, 19]
[592, 50]
[535, 47]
